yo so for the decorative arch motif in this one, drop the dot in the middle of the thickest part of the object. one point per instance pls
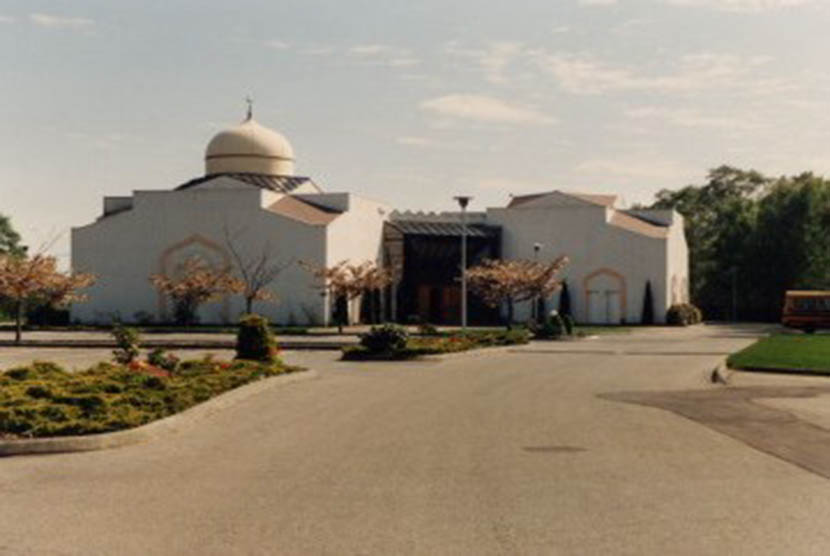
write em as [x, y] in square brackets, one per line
[619, 278]
[169, 257]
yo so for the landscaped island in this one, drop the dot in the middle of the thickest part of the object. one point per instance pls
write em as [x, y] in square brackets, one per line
[785, 352]
[43, 400]
[393, 343]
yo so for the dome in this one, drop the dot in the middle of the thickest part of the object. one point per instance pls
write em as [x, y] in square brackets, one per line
[249, 148]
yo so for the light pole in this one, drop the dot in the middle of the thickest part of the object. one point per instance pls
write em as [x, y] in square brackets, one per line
[534, 310]
[463, 201]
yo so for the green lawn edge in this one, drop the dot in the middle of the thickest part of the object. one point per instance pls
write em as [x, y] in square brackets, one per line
[785, 353]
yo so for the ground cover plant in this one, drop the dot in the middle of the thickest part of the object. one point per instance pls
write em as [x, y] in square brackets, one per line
[797, 352]
[42, 399]
[391, 343]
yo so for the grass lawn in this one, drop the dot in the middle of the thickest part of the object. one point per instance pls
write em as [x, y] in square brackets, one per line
[800, 352]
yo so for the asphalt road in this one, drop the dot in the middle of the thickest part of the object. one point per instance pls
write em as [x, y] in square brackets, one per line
[499, 453]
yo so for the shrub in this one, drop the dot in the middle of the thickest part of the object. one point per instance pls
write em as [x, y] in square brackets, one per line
[386, 338]
[426, 329]
[127, 340]
[551, 329]
[255, 340]
[44, 400]
[164, 360]
[683, 314]
[648, 305]
[568, 321]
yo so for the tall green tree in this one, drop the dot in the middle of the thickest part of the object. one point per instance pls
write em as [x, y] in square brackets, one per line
[720, 217]
[751, 238]
[9, 238]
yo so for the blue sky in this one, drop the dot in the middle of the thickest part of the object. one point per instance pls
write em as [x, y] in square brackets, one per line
[407, 102]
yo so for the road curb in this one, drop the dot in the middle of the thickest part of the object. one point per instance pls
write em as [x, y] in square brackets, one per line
[170, 344]
[172, 424]
[721, 374]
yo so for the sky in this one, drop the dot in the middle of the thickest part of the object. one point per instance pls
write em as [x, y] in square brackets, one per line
[408, 102]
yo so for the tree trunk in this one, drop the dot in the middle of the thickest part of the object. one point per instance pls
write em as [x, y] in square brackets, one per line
[249, 304]
[18, 323]
[510, 313]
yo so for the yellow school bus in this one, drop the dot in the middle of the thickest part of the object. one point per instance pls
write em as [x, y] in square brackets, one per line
[806, 310]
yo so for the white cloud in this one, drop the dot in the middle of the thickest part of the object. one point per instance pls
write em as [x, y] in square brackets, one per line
[429, 143]
[484, 109]
[742, 5]
[597, 2]
[383, 55]
[277, 44]
[371, 49]
[60, 22]
[582, 74]
[318, 51]
[632, 168]
[686, 117]
[7, 19]
[493, 60]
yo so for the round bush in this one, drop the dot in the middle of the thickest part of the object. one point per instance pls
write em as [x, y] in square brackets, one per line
[255, 341]
[683, 314]
[553, 327]
[384, 339]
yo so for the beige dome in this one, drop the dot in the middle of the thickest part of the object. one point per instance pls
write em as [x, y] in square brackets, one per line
[249, 148]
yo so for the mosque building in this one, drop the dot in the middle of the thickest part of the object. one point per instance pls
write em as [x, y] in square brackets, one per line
[251, 205]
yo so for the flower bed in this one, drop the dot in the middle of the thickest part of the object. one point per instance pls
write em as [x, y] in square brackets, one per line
[420, 346]
[43, 400]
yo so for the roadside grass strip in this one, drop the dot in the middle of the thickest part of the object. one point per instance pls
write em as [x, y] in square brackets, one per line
[785, 353]
[43, 400]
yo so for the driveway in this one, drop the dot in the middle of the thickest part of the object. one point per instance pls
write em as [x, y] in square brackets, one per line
[519, 452]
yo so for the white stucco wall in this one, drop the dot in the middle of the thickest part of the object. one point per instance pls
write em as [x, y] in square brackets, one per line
[356, 235]
[125, 248]
[582, 232]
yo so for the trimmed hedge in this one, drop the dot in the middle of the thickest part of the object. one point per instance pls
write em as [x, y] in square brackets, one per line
[42, 399]
[255, 341]
[418, 347]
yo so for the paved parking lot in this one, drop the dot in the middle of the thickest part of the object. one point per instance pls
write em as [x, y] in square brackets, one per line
[510, 452]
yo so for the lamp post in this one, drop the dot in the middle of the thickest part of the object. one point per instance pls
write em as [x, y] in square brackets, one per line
[534, 310]
[463, 201]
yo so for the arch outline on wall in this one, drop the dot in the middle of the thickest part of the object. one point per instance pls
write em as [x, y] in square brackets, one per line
[606, 271]
[168, 254]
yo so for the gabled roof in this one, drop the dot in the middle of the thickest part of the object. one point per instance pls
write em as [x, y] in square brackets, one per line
[599, 200]
[279, 184]
[303, 211]
[627, 222]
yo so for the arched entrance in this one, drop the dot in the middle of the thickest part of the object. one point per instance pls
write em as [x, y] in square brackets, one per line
[606, 301]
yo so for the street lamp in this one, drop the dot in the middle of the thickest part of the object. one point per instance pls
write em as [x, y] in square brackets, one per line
[534, 310]
[463, 201]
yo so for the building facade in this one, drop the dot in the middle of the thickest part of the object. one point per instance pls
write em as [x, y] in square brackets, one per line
[250, 205]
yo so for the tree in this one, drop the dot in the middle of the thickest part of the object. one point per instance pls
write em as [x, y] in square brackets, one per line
[9, 238]
[195, 283]
[500, 282]
[751, 238]
[565, 300]
[36, 279]
[256, 273]
[648, 305]
[720, 219]
[347, 281]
